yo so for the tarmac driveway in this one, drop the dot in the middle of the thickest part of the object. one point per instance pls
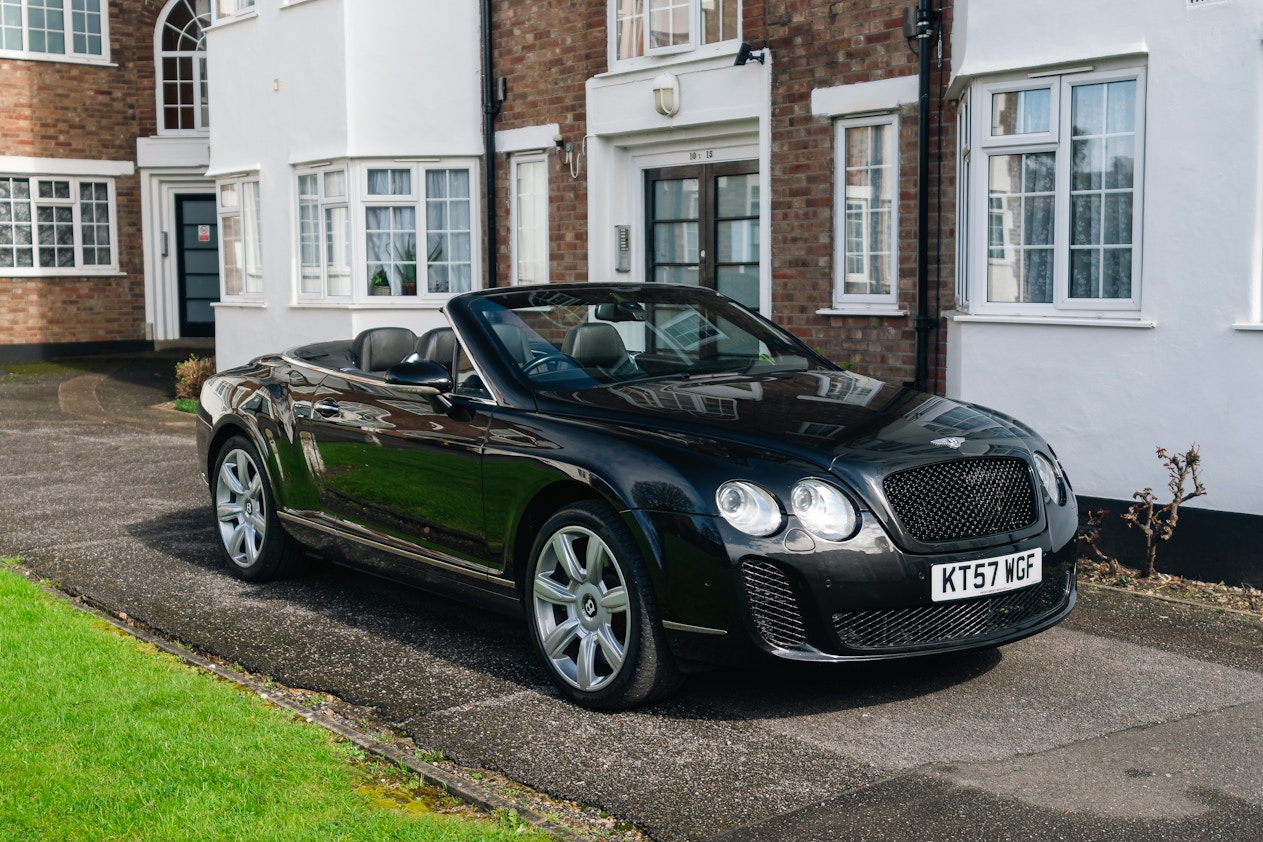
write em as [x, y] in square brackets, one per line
[1136, 719]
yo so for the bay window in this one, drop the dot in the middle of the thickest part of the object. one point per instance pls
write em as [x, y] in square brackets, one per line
[663, 27]
[1056, 175]
[392, 229]
[55, 225]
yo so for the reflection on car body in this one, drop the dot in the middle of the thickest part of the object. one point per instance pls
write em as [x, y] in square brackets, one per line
[654, 476]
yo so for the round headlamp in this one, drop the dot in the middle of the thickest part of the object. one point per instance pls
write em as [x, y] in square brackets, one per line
[824, 510]
[749, 508]
[1050, 479]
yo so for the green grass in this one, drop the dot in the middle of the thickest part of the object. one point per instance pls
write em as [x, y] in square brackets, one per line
[105, 737]
[186, 405]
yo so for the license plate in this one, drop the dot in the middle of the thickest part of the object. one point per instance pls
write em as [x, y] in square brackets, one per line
[964, 579]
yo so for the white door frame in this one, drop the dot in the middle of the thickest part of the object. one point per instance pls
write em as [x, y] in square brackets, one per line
[162, 283]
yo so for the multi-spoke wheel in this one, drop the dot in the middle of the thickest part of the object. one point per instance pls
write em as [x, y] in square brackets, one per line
[250, 535]
[592, 614]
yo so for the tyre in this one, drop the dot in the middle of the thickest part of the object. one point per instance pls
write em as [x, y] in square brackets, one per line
[592, 613]
[251, 538]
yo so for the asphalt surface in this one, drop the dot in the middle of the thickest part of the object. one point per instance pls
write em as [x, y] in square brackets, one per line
[1134, 720]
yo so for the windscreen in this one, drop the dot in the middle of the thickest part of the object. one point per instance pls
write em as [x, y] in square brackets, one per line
[566, 340]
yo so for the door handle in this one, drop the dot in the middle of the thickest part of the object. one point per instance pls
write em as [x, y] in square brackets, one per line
[327, 409]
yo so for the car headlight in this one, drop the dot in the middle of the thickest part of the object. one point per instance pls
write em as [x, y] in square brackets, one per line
[749, 508]
[824, 510]
[1050, 479]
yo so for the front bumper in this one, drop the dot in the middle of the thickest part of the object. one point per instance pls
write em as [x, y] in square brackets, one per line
[725, 596]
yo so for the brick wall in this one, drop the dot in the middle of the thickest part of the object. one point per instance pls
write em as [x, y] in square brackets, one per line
[55, 109]
[547, 51]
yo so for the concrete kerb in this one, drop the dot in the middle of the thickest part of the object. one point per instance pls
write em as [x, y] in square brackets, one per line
[467, 791]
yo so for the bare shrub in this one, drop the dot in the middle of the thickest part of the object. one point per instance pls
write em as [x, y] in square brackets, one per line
[1158, 522]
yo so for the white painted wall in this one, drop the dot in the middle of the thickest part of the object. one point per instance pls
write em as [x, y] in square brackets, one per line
[329, 80]
[1106, 397]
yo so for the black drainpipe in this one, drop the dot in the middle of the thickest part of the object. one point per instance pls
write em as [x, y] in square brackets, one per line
[490, 110]
[927, 35]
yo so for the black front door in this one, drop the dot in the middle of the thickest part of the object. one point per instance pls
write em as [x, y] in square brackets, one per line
[197, 262]
[704, 227]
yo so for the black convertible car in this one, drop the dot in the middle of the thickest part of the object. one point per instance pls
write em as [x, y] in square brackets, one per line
[655, 475]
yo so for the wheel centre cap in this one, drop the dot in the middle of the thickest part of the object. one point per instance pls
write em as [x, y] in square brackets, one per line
[589, 607]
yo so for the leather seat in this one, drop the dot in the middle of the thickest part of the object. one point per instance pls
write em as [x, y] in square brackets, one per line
[595, 345]
[378, 348]
[438, 346]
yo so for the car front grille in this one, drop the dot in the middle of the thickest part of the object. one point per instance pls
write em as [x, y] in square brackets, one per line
[964, 498]
[773, 604]
[949, 622]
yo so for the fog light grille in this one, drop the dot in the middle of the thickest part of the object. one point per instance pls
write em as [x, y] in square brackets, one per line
[950, 622]
[773, 604]
[965, 498]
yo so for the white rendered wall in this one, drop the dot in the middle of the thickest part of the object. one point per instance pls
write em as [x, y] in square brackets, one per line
[1105, 397]
[327, 80]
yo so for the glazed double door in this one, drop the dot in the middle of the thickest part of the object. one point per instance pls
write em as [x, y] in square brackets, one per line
[703, 224]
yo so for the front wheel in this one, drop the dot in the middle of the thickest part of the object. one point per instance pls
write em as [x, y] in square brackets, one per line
[592, 613]
[251, 538]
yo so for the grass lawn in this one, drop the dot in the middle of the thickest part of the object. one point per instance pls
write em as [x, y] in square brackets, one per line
[104, 737]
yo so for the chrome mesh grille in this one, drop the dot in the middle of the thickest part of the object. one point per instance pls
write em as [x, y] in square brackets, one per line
[949, 622]
[773, 605]
[964, 498]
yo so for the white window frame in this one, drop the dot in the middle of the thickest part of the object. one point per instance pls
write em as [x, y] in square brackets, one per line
[201, 121]
[69, 16]
[975, 167]
[72, 201]
[529, 226]
[248, 253]
[230, 9]
[331, 285]
[357, 202]
[864, 302]
[693, 46]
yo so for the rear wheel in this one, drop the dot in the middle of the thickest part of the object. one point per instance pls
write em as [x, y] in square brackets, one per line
[592, 614]
[250, 535]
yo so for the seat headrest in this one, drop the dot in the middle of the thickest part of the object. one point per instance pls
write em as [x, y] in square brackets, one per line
[378, 348]
[438, 346]
[594, 344]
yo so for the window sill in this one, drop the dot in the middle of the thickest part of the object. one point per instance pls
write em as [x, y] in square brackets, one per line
[413, 304]
[880, 312]
[1248, 327]
[241, 304]
[49, 274]
[1061, 321]
[94, 61]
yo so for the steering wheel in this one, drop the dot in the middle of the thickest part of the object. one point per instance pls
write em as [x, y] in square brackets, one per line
[553, 361]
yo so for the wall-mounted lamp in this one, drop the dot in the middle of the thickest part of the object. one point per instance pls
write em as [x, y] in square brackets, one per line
[747, 53]
[566, 154]
[666, 95]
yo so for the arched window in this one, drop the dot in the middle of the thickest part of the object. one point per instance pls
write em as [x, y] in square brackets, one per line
[180, 44]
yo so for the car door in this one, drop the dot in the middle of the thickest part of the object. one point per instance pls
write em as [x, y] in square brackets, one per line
[392, 470]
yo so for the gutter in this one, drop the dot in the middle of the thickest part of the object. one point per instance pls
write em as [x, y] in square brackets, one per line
[490, 110]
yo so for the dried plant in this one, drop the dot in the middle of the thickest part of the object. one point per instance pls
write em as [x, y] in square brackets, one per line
[1090, 537]
[191, 374]
[1158, 522]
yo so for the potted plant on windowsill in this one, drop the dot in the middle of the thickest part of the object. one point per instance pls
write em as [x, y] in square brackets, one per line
[408, 268]
[379, 284]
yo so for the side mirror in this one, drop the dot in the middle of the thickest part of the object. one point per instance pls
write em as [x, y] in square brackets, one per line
[421, 377]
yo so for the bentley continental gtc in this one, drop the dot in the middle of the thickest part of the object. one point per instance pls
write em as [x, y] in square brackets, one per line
[653, 475]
